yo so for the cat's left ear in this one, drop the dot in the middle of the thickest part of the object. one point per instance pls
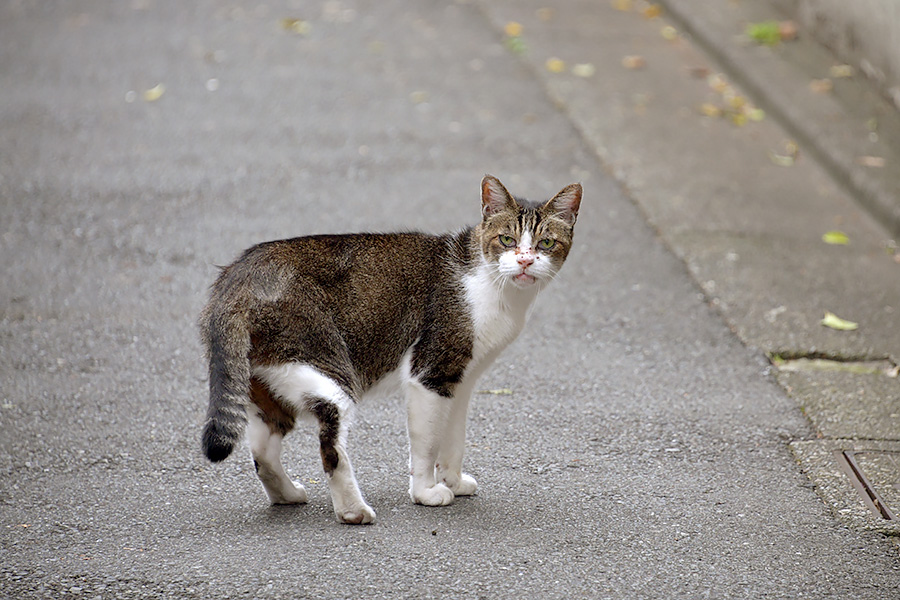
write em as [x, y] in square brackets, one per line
[494, 197]
[565, 204]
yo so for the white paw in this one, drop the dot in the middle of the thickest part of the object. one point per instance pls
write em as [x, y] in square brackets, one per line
[360, 514]
[292, 494]
[465, 486]
[438, 495]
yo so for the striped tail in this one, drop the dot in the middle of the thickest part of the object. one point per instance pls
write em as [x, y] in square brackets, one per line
[228, 346]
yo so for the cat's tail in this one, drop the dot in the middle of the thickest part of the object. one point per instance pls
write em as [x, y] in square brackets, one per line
[227, 339]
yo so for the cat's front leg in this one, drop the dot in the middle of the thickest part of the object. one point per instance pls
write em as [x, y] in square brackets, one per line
[427, 419]
[448, 469]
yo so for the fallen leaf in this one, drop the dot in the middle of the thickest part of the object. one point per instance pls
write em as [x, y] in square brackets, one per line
[418, 97]
[623, 5]
[555, 65]
[498, 392]
[584, 70]
[154, 93]
[782, 160]
[766, 32]
[669, 33]
[791, 152]
[738, 118]
[298, 26]
[717, 82]
[821, 86]
[513, 29]
[837, 238]
[870, 161]
[634, 61]
[787, 31]
[835, 322]
[735, 101]
[516, 45]
[652, 11]
[710, 110]
[698, 72]
[755, 114]
[841, 71]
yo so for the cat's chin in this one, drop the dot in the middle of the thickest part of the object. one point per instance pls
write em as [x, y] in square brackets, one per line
[524, 280]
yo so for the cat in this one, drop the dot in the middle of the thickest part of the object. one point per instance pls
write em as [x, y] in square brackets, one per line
[312, 325]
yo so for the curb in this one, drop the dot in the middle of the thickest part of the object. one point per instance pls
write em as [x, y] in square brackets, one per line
[811, 121]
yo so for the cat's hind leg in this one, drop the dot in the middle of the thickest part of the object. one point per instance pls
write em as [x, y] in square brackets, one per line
[309, 390]
[349, 506]
[267, 423]
[265, 446]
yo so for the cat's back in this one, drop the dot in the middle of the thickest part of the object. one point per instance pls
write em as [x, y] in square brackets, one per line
[365, 269]
[348, 259]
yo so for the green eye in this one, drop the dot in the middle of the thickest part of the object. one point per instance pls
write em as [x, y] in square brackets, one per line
[546, 244]
[507, 241]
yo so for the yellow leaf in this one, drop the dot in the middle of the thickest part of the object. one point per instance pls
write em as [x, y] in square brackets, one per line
[499, 392]
[513, 29]
[623, 5]
[755, 114]
[555, 65]
[154, 93]
[669, 33]
[652, 11]
[838, 238]
[841, 71]
[298, 26]
[710, 110]
[782, 160]
[835, 322]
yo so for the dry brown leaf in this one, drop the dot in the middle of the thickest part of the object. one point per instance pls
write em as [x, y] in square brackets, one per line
[870, 161]
[821, 86]
[634, 61]
[652, 11]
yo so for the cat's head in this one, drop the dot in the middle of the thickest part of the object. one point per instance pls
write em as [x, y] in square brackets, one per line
[526, 242]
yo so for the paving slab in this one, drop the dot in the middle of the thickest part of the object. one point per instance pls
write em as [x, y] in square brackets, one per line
[847, 405]
[879, 464]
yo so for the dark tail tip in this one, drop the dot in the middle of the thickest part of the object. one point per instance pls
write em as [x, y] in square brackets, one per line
[217, 443]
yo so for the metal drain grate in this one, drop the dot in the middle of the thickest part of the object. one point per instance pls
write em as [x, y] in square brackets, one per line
[883, 470]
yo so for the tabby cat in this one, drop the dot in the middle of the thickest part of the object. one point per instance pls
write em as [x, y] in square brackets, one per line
[312, 325]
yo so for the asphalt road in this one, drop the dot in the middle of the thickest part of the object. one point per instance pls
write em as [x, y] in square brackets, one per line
[636, 450]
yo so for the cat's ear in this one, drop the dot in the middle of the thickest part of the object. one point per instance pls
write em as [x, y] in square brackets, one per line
[565, 204]
[494, 197]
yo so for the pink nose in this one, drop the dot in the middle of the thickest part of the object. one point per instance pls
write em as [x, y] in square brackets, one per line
[525, 258]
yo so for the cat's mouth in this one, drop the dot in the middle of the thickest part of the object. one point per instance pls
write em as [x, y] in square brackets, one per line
[524, 279]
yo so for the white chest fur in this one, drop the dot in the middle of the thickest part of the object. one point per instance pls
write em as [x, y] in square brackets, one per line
[498, 313]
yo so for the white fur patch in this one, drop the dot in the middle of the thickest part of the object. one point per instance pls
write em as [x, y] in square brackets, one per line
[498, 309]
[294, 382]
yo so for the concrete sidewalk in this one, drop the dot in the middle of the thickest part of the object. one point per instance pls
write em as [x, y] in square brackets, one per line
[628, 445]
[747, 219]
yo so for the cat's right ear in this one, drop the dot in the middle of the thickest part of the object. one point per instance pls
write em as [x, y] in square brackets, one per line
[494, 197]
